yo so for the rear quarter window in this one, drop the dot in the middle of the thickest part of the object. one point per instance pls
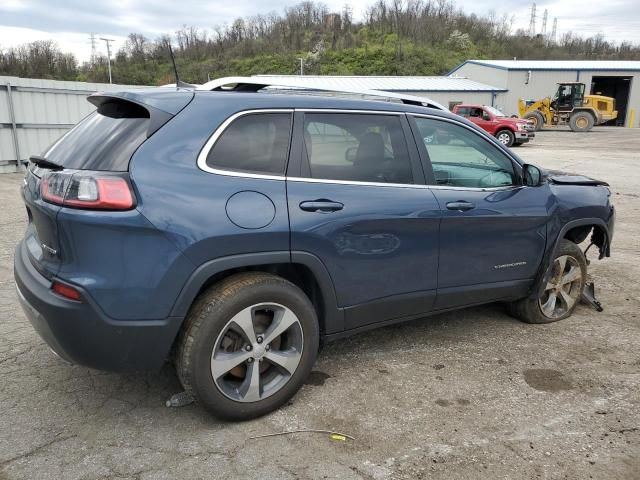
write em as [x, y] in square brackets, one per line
[253, 143]
[104, 140]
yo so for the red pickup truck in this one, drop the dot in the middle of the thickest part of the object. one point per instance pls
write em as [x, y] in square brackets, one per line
[508, 131]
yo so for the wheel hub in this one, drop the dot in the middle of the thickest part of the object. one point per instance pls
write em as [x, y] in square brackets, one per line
[257, 352]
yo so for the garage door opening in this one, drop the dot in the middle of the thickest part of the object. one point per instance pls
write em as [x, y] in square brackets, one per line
[618, 88]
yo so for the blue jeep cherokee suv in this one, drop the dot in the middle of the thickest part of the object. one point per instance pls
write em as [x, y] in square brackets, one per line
[233, 232]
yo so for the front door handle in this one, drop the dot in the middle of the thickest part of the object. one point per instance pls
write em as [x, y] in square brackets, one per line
[460, 205]
[321, 205]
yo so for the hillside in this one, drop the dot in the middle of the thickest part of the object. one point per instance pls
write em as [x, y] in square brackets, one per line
[415, 37]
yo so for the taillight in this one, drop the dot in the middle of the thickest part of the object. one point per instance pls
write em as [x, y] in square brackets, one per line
[89, 190]
[66, 291]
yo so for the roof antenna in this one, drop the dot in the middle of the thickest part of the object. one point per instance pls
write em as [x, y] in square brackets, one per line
[179, 83]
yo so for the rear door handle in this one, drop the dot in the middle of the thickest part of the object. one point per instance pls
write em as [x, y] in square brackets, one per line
[321, 206]
[460, 205]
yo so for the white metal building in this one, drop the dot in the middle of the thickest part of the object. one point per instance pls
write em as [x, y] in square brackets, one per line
[535, 79]
[447, 91]
[34, 113]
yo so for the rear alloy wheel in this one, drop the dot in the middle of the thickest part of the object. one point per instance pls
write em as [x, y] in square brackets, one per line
[257, 352]
[505, 137]
[561, 293]
[247, 345]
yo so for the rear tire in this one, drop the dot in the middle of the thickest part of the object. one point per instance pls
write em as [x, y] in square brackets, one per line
[562, 292]
[505, 137]
[229, 334]
[581, 122]
[536, 118]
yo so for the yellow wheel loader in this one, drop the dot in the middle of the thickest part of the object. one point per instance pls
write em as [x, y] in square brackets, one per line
[569, 106]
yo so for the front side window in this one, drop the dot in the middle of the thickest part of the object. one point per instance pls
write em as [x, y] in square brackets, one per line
[254, 143]
[462, 158]
[356, 147]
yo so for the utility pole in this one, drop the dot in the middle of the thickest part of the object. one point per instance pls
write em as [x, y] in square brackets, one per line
[554, 30]
[532, 21]
[544, 24]
[108, 42]
[301, 65]
[92, 40]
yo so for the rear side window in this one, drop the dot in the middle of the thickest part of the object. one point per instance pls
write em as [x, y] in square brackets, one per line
[356, 147]
[255, 143]
[105, 140]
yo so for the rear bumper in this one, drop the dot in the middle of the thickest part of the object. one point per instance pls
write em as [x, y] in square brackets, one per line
[80, 333]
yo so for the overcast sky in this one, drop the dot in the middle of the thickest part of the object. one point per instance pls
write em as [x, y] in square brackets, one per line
[69, 22]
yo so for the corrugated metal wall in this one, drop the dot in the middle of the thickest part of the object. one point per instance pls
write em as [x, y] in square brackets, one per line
[540, 84]
[447, 98]
[34, 113]
[543, 83]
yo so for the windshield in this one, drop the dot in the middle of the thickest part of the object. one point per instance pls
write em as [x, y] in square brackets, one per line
[494, 111]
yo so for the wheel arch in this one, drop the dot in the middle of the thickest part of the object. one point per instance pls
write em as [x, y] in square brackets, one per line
[301, 268]
[573, 231]
[577, 231]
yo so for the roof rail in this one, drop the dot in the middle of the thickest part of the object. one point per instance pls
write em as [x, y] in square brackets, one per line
[253, 84]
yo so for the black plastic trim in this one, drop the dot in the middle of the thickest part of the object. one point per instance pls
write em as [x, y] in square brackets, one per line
[333, 319]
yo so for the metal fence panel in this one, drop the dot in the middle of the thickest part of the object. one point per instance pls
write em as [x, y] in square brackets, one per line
[35, 112]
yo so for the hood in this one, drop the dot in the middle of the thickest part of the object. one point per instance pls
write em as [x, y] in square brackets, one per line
[513, 121]
[564, 178]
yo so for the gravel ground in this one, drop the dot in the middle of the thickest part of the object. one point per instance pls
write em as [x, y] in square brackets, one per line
[466, 395]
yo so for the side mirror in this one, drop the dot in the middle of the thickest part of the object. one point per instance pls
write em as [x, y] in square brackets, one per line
[532, 176]
[485, 116]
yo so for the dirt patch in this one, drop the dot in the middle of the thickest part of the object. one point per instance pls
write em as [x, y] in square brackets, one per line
[546, 380]
[317, 378]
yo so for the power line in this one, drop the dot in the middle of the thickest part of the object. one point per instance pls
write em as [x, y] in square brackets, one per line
[532, 21]
[92, 40]
[108, 42]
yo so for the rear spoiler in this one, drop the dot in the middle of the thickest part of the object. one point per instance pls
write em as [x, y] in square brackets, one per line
[169, 101]
[159, 107]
